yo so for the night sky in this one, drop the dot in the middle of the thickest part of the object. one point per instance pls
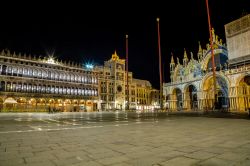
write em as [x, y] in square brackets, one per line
[90, 32]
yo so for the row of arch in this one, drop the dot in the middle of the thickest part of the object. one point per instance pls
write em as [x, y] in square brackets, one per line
[22, 104]
[233, 98]
[44, 74]
[50, 89]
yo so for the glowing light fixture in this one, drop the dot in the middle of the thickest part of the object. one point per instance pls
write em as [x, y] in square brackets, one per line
[89, 66]
[51, 60]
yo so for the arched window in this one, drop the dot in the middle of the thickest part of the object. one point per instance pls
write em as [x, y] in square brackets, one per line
[15, 71]
[43, 89]
[56, 90]
[64, 90]
[24, 88]
[76, 78]
[2, 86]
[61, 76]
[25, 72]
[39, 73]
[4, 70]
[52, 75]
[30, 72]
[60, 90]
[68, 91]
[34, 88]
[52, 89]
[13, 89]
[68, 77]
[35, 73]
[19, 86]
[44, 74]
[79, 78]
[48, 90]
[39, 88]
[85, 79]
[72, 91]
[9, 70]
[20, 72]
[8, 87]
[72, 77]
[89, 79]
[29, 88]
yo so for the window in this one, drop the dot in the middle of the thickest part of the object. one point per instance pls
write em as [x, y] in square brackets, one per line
[25, 72]
[30, 72]
[43, 89]
[60, 90]
[39, 73]
[72, 77]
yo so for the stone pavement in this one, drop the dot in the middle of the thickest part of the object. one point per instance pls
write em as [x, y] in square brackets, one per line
[176, 141]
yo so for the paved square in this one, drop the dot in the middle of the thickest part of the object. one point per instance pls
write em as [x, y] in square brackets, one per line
[80, 141]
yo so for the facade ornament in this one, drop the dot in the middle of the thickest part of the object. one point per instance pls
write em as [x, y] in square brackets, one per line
[172, 59]
[221, 42]
[115, 56]
[213, 34]
[208, 46]
[217, 39]
[178, 62]
[185, 54]
[192, 56]
[200, 49]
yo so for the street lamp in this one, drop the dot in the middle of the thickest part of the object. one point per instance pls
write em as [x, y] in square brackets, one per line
[160, 66]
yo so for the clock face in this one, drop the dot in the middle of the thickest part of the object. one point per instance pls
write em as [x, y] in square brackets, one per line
[119, 88]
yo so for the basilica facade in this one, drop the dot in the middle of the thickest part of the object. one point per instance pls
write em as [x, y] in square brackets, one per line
[192, 82]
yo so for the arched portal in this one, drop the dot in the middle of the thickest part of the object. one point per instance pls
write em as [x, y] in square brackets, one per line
[215, 98]
[1, 104]
[2, 86]
[243, 93]
[22, 104]
[191, 101]
[177, 98]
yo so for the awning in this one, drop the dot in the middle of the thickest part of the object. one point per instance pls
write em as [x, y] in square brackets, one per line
[10, 101]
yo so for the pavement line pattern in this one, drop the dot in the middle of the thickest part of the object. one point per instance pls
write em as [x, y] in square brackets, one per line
[38, 128]
[57, 129]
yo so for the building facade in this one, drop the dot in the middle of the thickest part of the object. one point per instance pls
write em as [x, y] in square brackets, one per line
[192, 85]
[34, 84]
[113, 92]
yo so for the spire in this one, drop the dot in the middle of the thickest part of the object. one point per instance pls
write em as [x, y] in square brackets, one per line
[2, 53]
[172, 58]
[172, 64]
[115, 56]
[185, 54]
[192, 56]
[185, 58]
[200, 49]
[213, 33]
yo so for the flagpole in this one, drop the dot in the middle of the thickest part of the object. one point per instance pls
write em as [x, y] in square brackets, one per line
[127, 71]
[160, 66]
[212, 52]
